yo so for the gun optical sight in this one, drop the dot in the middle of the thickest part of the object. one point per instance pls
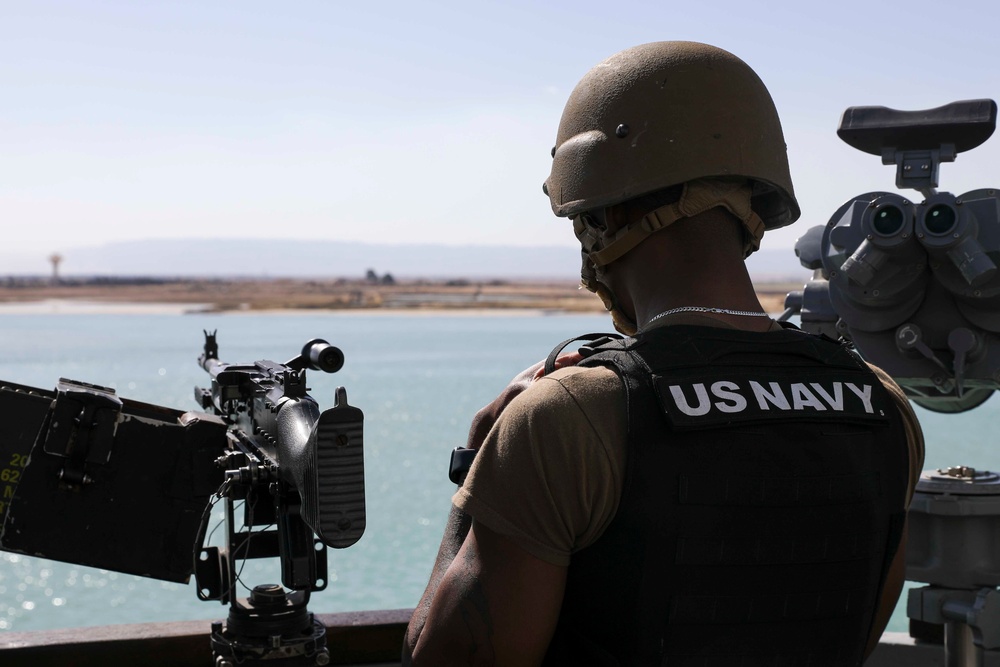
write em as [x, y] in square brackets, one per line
[321, 356]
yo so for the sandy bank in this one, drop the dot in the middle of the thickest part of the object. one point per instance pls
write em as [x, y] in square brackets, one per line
[84, 307]
[274, 296]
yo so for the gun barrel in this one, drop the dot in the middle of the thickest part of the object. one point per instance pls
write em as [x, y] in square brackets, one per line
[210, 365]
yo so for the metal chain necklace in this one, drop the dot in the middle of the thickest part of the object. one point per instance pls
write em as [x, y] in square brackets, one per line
[705, 309]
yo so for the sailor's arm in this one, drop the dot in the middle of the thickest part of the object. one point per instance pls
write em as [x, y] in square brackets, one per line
[891, 589]
[455, 532]
[893, 584]
[496, 604]
[459, 522]
[505, 578]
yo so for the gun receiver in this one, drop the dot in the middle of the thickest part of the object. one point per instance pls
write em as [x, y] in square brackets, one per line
[307, 465]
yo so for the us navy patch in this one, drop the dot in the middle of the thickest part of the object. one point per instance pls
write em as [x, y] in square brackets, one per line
[727, 396]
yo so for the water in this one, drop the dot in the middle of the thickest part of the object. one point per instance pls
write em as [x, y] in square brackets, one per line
[419, 380]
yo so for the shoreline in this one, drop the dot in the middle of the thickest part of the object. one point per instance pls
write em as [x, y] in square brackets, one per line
[235, 297]
[81, 307]
[87, 307]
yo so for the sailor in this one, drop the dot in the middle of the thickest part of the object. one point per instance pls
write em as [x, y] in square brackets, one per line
[712, 489]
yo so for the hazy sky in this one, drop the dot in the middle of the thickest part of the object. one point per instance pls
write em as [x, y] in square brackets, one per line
[413, 121]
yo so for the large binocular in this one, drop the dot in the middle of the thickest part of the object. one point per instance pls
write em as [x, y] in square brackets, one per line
[913, 283]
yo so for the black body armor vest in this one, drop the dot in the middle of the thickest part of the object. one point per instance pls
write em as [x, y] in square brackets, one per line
[762, 505]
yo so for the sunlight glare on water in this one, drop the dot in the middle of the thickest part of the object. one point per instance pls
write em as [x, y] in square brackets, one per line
[418, 379]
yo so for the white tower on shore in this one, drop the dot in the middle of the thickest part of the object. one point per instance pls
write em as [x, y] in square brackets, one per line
[55, 259]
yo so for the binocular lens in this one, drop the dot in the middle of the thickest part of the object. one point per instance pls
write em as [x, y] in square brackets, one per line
[888, 220]
[940, 219]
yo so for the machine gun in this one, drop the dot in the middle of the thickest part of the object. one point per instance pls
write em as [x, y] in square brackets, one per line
[915, 286]
[297, 469]
[79, 459]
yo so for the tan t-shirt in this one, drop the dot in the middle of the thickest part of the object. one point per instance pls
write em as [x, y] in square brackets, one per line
[550, 473]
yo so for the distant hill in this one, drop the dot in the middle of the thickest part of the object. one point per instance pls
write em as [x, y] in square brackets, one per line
[331, 259]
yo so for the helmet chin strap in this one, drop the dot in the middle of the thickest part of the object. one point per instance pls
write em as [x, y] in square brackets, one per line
[623, 323]
[602, 246]
[697, 197]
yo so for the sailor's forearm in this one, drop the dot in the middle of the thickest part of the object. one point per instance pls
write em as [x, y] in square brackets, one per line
[455, 532]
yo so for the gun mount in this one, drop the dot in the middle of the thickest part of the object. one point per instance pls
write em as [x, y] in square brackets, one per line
[300, 475]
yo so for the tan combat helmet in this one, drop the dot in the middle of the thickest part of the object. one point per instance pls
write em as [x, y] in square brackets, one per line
[660, 115]
[666, 113]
